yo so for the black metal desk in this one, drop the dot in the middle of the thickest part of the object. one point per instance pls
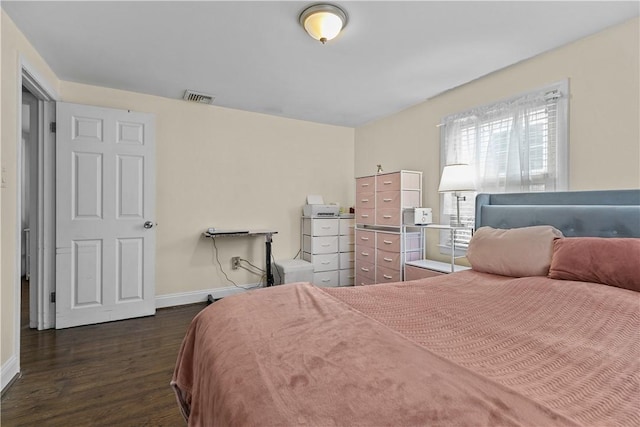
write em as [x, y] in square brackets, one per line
[268, 238]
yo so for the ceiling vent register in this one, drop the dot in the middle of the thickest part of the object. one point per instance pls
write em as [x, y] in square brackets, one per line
[198, 97]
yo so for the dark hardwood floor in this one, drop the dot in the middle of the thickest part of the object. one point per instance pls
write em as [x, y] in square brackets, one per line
[112, 374]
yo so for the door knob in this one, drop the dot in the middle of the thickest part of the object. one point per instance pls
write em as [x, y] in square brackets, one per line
[148, 224]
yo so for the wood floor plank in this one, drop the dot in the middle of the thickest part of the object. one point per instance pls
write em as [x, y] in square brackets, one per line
[112, 374]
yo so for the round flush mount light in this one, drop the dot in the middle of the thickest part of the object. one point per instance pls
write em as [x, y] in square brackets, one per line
[323, 22]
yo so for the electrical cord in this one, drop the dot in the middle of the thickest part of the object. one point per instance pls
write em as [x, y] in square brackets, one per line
[222, 270]
[262, 273]
[254, 266]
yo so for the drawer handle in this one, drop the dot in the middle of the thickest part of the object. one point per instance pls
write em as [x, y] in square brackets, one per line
[325, 245]
[326, 280]
[364, 269]
[386, 216]
[325, 263]
[387, 277]
[387, 259]
[364, 216]
[364, 253]
[366, 184]
[387, 242]
[326, 227]
[364, 238]
[365, 200]
[387, 200]
[387, 182]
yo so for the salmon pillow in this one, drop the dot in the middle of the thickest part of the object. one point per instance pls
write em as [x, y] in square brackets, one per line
[610, 261]
[516, 252]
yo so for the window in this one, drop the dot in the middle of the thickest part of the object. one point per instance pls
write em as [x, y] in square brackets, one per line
[516, 145]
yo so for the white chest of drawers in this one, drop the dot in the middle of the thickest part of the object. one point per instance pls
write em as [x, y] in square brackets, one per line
[328, 244]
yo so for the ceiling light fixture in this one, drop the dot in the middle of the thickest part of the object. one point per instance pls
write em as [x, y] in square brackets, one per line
[323, 22]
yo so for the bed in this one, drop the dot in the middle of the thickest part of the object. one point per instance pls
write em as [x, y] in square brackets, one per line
[501, 344]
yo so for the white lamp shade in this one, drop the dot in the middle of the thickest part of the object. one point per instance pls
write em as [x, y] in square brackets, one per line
[460, 177]
[323, 22]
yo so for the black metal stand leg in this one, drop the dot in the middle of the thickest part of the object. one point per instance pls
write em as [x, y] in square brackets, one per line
[267, 244]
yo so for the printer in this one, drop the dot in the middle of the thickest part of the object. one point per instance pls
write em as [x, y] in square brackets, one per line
[315, 207]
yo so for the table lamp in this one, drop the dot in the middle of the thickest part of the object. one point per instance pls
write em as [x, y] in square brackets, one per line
[455, 179]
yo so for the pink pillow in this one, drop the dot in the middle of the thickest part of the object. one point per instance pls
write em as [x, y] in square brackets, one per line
[516, 252]
[610, 261]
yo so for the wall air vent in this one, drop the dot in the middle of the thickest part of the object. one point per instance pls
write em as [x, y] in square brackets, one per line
[200, 98]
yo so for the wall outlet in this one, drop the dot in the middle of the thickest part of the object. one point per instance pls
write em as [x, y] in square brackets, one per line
[235, 262]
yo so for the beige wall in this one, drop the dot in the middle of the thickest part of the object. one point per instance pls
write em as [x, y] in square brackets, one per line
[604, 114]
[229, 169]
[14, 46]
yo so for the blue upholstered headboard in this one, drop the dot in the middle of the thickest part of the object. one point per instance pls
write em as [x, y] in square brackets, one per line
[614, 213]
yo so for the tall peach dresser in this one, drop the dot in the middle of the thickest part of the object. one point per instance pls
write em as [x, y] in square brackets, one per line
[380, 246]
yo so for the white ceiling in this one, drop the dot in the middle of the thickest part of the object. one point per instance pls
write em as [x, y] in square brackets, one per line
[254, 56]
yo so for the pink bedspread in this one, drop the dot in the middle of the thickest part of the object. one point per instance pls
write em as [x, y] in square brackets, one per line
[462, 349]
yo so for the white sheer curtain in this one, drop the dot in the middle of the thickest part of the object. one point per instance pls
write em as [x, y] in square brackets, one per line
[517, 145]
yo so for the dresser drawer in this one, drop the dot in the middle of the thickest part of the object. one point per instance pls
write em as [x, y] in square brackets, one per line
[326, 278]
[388, 275]
[388, 200]
[346, 277]
[389, 217]
[366, 254]
[398, 199]
[346, 259]
[388, 259]
[389, 242]
[407, 180]
[321, 226]
[365, 184]
[416, 273]
[346, 243]
[347, 226]
[388, 182]
[362, 280]
[320, 245]
[366, 269]
[366, 216]
[365, 238]
[322, 262]
[365, 200]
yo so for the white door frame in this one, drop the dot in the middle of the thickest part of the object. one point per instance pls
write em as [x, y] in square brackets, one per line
[30, 158]
[29, 77]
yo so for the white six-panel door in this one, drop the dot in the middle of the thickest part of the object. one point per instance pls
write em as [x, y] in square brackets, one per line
[105, 218]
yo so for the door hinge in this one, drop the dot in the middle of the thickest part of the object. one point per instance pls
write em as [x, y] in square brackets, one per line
[52, 127]
[53, 297]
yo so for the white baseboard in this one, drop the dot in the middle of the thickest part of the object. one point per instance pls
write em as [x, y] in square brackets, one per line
[9, 371]
[182, 298]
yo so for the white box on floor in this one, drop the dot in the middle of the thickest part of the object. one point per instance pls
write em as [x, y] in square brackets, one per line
[292, 271]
